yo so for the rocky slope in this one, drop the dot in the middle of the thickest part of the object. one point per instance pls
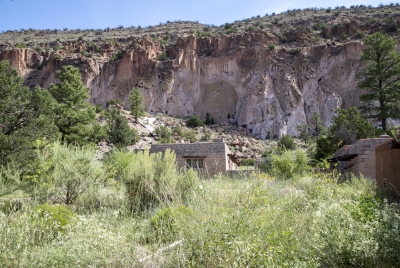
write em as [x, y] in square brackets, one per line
[254, 79]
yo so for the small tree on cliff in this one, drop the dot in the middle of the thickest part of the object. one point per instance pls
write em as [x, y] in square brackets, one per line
[380, 78]
[136, 101]
[75, 118]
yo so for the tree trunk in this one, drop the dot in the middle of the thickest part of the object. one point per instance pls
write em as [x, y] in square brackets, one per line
[384, 124]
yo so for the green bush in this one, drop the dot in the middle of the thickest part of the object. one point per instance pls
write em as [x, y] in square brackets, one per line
[206, 135]
[165, 224]
[286, 143]
[162, 57]
[66, 172]
[319, 25]
[153, 179]
[52, 218]
[194, 121]
[164, 134]
[271, 46]
[289, 165]
[247, 162]
[178, 130]
[190, 135]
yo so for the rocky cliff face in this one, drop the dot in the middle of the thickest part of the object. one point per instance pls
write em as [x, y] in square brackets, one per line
[235, 78]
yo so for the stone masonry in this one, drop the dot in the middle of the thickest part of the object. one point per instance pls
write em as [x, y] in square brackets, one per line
[216, 156]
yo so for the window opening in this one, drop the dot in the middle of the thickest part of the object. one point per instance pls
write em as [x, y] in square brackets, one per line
[195, 163]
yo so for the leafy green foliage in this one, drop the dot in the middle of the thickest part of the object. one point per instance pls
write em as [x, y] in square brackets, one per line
[153, 179]
[303, 132]
[53, 218]
[136, 102]
[166, 221]
[164, 135]
[271, 46]
[25, 116]
[75, 118]
[194, 121]
[380, 78]
[289, 165]
[348, 126]
[119, 132]
[190, 135]
[247, 162]
[286, 143]
[66, 172]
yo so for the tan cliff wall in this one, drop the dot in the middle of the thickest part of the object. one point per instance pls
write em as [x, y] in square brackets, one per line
[236, 77]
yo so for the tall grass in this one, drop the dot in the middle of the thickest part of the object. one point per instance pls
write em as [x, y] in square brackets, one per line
[254, 221]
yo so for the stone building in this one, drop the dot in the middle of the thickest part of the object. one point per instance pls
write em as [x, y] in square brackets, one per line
[388, 167]
[208, 158]
[359, 158]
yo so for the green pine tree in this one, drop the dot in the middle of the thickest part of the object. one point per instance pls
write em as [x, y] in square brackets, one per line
[380, 78]
[26, 116]
[75, 118]
[119, 133]
[136, 101]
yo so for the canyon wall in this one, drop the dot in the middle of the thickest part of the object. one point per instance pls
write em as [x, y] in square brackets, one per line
[235, 78]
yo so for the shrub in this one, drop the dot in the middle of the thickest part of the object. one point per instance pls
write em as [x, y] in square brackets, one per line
[250, 29]
[52, 218]
[21, 45]
[343, 36]
[289, 165]
[165, 224]
[194, 121]
[286, 143]
[247, 162]
[206, 135]
[178, 130]
[283, 39]
[65, 172]
[190, 135]
[162, 57]
[271, 46]
[360, 34]
[319, 26]
[242, 44]
[293, 51]
[117, 56]
[153, 179]
[164, 135]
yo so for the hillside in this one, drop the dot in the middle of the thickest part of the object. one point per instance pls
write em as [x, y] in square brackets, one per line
[266, 74]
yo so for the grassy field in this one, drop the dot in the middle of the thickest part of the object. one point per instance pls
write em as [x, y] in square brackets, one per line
[259, 221]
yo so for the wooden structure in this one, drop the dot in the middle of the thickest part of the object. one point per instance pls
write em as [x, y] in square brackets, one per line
[388, 167]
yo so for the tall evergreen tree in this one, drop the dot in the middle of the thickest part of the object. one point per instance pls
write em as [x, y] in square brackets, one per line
[25, 117]
[75, 118]
[380, 78]
[136, 101]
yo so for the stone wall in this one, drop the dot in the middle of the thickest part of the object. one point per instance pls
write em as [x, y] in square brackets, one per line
[365, 163]
[388, 169]
[215, 155]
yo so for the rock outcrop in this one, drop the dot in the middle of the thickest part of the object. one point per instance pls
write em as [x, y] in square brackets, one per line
[236, 78]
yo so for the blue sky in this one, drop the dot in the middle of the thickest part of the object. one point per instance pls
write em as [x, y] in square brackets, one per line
[99, 14]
